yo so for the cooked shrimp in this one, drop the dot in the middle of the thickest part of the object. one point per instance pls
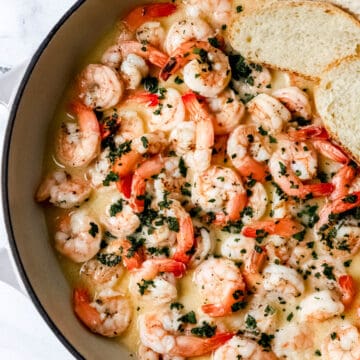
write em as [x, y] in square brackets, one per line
[185, 30]
[268, 112]
[321, 305]
[221, 285]
[159, 331]
[204, 245]
[78, 144]
[291, 163]
[247, 152]
[133, 69]
[100, 169]
[200, 157]
[256, 205]
[218, 12]
[151, 33]
[296, 101]
[206, 69]
[228, 111]
[119, 218]
[343, 343]
[147, 52]
[294, 339]
[183, 137]
[237, 247]
[131, 126]
[78, 236]
[242, 348]
[219, 190]
[342, 181]
[100, 87]
[154, 280]
[283, 280]
[112, 57]
[108, 314]
[148, 12]
[62, 190]
[170, 112]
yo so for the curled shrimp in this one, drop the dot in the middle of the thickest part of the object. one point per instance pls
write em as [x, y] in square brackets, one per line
[342, 343]
[112, 57]
[78, 236]
[242, 348]
[221, 284]
[204, 245]
[109, 314]
[320, 305]
[159, 332]
[247, 152]
[256, 205]
[78, 144]
[206, 68]
[268, 112]
[237, 247]
[151, 32]
[133, 69]
[342, 181]
[62, 190]
[131, 126]
[296, 101]
[100, 87]
[228, 111]
[185, 30]
[218, 12]
[219, 190]
[200, 157]
[182, 138]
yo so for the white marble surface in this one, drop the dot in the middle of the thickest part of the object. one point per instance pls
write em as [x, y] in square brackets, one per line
[23, 333]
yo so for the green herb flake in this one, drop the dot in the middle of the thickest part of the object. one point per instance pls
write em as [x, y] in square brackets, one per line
[189, 318]
[110, 177]
[116, 207]
[94, 229]
[204, 331]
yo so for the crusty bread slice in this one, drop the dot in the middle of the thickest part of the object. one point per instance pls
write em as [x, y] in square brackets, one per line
[352, 6]
[337, 99]
[304, 37]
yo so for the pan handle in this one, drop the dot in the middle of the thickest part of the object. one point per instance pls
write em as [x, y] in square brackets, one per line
[9, 82]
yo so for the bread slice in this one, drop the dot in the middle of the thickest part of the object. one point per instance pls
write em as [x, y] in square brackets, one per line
[337, 100]
[352, 6]
[304, 37]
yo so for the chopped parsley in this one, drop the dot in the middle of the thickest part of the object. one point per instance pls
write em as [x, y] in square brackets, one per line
[189, 318]
[250, 322]
[110, 260]
[145, 142]
[151, 84]
[204, 331]
[178, 80]
[213, 41]
[351, 199]
[144, 285]
[94, 229]
[176, 305]
[239, 9]
[182, 167]
[110, 177]
[116, 207]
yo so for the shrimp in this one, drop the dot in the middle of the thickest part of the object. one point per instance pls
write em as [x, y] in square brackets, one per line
[148, 12]
[218, 12]
[219, 190]
[221, 284]
[62, 190]
[204, 245]
[248, 152]
[112, 57]
[151, 33]
[240, 347]
[78, 236]
[206, 68]
[284, 227]
[296, 101]
[159, 332]
[119, 218]
[183, 137]
[289, 164]
[78, 144]
[283, 280]
[338, 206]
[185, 30]
[343, 343]
[131, 126]
[228, 111]
[109, 314]
[321, 305]
[294, 339]
[154, 280]
[342, 181]
[237, 247]
[256, 205]
[268, 112]
[100, 87]
[200, 157]
[133, 69]
[170, 112]
[147, 52]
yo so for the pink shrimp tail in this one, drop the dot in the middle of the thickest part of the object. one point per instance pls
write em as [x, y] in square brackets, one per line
[215, 310]
[347, 285]
[309, 132]
[126, 164]
[342, 181]
[331, 151]
[319, 190]
[144, 13]
[172, 266]
[124, 185]
[251, 167]
[185, 240]
[144, 97]
[81, 303]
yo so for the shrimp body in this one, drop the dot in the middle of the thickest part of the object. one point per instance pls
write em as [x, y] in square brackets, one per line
[237, 247]
[133, 70]
[268, 112]
[185, 30]
[158, 331]
[78, 144]
[204, 245]
[183, 137]
[247, 152]
[219, 190]
[78, 237]
[342, 181]
[112, 57]
[221, 284]
[108, 315]
[62, 190]
[228, 111]
[151, 33]
[100, 87]
[242, 348]
[344, 345]
[256, 205]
